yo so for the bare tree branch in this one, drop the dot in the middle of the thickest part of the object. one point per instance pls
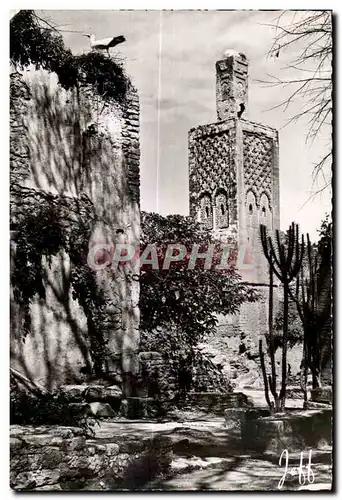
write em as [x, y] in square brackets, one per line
[310, 35]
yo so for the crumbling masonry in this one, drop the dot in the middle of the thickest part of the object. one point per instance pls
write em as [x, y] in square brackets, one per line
[75, 152]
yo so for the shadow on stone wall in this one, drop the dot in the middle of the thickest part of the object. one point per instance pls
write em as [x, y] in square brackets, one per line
[71, 150]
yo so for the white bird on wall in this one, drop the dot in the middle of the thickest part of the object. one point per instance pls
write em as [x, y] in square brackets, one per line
[105, 43]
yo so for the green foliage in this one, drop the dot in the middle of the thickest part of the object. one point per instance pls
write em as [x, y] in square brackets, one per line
[44, 234]
[295, 330]
[205, 370]
[32, 43]
[324, 245]
[39, 235]
[50, 408]
[314, 303]
[179, 306]
[185, 361]
[86, 291]
[180, 297]
[107, 77]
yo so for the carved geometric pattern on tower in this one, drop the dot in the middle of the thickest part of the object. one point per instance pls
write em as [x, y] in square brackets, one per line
[211, 157]
[257, 158]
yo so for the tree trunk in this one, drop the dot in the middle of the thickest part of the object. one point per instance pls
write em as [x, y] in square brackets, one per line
[285, 340]
[264, 374]
[273, 383]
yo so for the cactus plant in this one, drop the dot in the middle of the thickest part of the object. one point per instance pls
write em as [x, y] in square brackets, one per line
[285, 264]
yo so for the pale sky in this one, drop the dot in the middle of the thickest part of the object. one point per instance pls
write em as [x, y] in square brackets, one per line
[171, 59]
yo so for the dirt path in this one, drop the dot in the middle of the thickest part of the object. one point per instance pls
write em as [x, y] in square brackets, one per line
[206, 457]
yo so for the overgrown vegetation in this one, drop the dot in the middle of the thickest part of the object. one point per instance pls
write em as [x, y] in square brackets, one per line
[295, 327]
[312, 297]
[179, 306]
[37, 44]
[305, 315]
[48, 408]
[39, 237]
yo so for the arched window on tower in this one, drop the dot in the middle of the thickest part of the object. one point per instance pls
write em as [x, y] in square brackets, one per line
[251, 207]
[265, 211]
[252, 218]
[206, 211]
[221, 210]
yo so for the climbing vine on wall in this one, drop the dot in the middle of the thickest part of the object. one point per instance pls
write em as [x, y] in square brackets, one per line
[32, 43]
[37, 237]
[41, 235]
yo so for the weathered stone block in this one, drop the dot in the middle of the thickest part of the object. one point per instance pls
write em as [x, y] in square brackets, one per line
[15, 444]
[312, 405]
[74, 392]
[111, 449]
[294, 431]
[322, 394]
[39, 440]
[136, 407]
[50, 468]
[79, 409]
[218, 402]
[103, 394]
[101, 410]
[65, 432]
[49, 458]
[29, 480]
[98, 464]
[234, 418]
[76, 443]
[17, 430]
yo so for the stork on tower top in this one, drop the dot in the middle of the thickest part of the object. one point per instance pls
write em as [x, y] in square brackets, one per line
[105, 43]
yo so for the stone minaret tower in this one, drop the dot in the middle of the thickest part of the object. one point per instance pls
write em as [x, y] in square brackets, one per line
[234, 179]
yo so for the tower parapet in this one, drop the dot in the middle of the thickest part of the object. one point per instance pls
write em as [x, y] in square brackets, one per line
[231, 85]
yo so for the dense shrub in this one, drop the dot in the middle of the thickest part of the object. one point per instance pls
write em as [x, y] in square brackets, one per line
[37, 408]
[42, 46]
[179, 306]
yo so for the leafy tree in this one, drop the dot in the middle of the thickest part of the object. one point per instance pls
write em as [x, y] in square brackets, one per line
[179, 305]
[295, 330]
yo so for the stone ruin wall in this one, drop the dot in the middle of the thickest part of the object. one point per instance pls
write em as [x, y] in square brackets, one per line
[69, 150]
[50, 458]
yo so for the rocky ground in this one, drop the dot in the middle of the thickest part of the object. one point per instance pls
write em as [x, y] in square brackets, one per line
[206, 455]
[207, 458]
[240, 361]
